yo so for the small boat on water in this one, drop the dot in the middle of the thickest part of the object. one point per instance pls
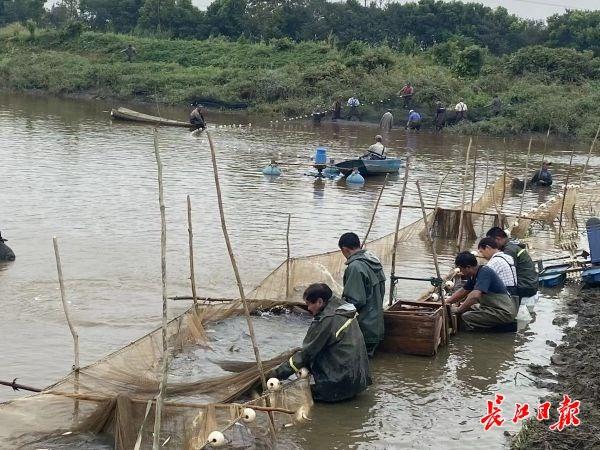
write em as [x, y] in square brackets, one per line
[134, 116]
[370, 167]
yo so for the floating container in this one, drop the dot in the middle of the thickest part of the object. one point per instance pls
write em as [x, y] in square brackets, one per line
[331, 171]
[593, 234]
[355, 178]
[414, 328]
[271, 170]
[321, 156]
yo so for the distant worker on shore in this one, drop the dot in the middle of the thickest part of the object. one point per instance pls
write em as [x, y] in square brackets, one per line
[461, 110]
[130, 52]
[414, 120]
[387, 121]
[440, 116]
[6, 254]
[406, 93]
[527, 276]
[336, 109]
[364, 287]
[333, 350]
[197, 118]
[375, 151]
[483, 287]
[495, 106]
[353, 104]
[543, 176]
[318, 114]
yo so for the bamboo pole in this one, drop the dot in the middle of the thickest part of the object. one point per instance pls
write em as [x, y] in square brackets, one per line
[400, 206]
[525, 177]
[374, 212]
[163, 269]
[437, 198]
[504, 176]
[238, 277]
[436, 264]
[474, 173]
[191, 245]
[287, 261]
[66, 306]
[587, 161]
[545, 146]
[464, 193]
[562, 205]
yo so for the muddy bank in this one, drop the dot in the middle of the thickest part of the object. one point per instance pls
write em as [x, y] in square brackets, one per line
[576, 368]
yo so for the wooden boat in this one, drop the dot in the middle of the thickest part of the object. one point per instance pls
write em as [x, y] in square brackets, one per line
[414, 328]
[134, 116]
[370, 166]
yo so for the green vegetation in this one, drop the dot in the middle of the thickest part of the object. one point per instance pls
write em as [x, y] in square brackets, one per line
[539, 86]
[289, 56]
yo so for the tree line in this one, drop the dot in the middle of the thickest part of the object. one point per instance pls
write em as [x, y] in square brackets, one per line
[408, 27]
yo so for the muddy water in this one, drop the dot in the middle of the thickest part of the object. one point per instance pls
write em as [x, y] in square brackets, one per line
[67, 171]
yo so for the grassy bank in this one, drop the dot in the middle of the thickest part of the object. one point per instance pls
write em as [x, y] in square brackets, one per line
[287, 78]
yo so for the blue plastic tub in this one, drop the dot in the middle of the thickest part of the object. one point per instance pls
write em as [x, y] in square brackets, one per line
[321, 156]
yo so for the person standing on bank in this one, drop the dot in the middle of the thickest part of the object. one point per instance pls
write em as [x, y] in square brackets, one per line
[485, 287]
[440, 116]
[336, 109]
[364, 287]
[527, 276]
[461, 110]
[333, 350]
[130, 52]
[353, 104]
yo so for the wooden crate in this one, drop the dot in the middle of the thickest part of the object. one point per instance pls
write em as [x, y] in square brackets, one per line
[413, 328]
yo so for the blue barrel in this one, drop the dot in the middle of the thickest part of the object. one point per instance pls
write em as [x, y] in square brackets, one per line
[321, 156]
[593, 234]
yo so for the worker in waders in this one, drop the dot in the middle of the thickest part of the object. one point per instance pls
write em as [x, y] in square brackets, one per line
[197, 120]
[6, 254]
[527, 276]
[364, 287]
[333, 350]
[486, 302]
[387, 121]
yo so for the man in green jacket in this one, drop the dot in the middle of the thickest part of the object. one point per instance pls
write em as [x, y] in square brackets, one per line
[364, 287]
[333, 350]
[527, 276]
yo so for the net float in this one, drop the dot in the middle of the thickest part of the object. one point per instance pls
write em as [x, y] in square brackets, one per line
[216, 439]
[273, 384]
[248, 415]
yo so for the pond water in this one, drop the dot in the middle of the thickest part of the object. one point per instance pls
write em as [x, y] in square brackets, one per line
[67, 171]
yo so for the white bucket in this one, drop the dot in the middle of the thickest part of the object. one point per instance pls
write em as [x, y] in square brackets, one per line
[530, 302]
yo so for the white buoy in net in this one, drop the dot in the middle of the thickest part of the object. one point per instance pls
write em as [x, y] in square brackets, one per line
[449, 284]
[474, 253]
[273, 384]
[456, 271]
[435, 297]
[248, 415]
[507, 231]
[303, 373]
[216, 439]
[515, 224]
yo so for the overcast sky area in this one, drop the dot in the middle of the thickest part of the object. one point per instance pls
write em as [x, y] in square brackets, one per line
[531, 9]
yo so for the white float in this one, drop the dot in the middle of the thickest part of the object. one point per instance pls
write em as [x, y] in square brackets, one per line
[216, 439]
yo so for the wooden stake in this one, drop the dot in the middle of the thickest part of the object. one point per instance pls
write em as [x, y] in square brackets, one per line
[66, 306]
[435, 263]
[504, 176]
[525, 177]
[562, 205]
[464, 192]
[163, 269]
[474, 173]
[287, 261]
[545, 146]
[400, 206]
[191, 245]
[587, 161]
[374, 212]
[238, 278]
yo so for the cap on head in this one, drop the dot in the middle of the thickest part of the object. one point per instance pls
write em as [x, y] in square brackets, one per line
[411, 111]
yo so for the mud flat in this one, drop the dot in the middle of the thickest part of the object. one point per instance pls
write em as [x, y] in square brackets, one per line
[576, 372]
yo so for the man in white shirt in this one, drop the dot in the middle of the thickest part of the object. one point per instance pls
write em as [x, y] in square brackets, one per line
[499, 262]
[353, 104]
[461, 110]
[377, 150]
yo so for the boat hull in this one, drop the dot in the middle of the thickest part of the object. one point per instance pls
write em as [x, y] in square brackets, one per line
[553, 276]
[591, 276]
[370, 167]
[134, 116]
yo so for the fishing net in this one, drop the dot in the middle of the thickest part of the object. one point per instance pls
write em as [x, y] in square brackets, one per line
[106, 404]
[110, 396]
